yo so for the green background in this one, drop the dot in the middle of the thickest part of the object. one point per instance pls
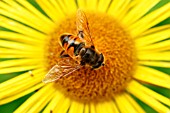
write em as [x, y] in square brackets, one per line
[10, 107]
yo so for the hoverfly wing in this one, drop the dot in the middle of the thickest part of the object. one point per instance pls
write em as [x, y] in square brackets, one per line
[83, 28]
[65, 67]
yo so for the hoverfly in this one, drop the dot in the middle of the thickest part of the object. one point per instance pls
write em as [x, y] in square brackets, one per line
[78, 51]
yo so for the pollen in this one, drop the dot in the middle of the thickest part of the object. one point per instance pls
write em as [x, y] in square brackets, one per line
[114, 42]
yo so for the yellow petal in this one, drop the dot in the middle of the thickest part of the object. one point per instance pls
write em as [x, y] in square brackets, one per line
[21, 94]
[63, 105]
[20, 80]
[150, 20]
[76, 107]
[136, 91]
[15, 26]
[139, 10]
[20, 88]
[127, 105]
[155, 63]
[48, 23]
[19, 68]
[22, 12]
[33, 99]
[71, 6]
[57, 8]
[117, 7]
[152, 93]
[91, 4]
[86, 108]
[120, 105]
[157, 47]
[19, 62]
[20, 38]
[93, 108]
[143, 41]
[54, 102]
[40, 104]
[103, 5]
[152, 76]
[134, 103]
[68, 6]
[19, 46]
[126, 7]
[148, 55]
[30, 22]
[155, 30]
[81, 4]
[50, 10]
[19, 56]
[107, 106]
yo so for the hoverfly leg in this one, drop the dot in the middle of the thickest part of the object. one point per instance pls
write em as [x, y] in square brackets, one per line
[63, 54]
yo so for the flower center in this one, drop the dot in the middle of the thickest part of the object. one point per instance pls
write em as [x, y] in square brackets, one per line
[117, 46]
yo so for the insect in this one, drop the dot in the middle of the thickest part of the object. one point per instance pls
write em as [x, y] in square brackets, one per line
[78, 51]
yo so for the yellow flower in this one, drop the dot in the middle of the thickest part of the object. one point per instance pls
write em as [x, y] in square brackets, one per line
[124, 31]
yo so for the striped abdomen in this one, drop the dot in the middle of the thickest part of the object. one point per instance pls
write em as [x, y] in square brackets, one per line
[71, 44]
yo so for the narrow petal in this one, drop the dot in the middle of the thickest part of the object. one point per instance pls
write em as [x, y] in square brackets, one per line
[118, 7]
[152, 38]
[86, 108]
[120, 105]
[20, 38]
[15, 26]
[18, 68]
[124, 104]
[155, 63]
[19, 46]
[68, 6]
[108, 107]
[136, 91]
[20, 80]
[20, 88]
[125, 8]
[21, 94]
[22, 13]
[134, 103]
[152, 76]
[93, 108]
[13, 53]
[34, 99]
[81, 4]
[57, 8]
[76, 107]
[91, 4]
[139, 10]
[150, 20]
[49, 24]
[23, 20]
[63, 105]
[148, 55]
[103, 5]
[157, 47]
[71, 5]
[54, 102]
[39, 105]
[152, 93]
[155, 30]
[50, 10]
[18, 62]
